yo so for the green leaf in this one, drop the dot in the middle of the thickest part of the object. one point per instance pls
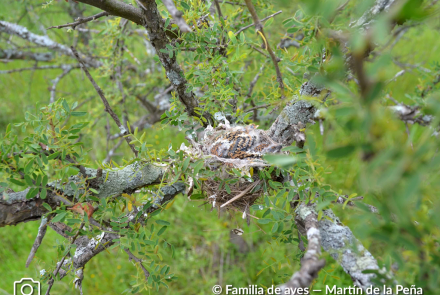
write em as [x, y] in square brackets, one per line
[73, 185]
[162, 230]
[268, 22]
[32, 193]
[227, 188]
[281, 161]
[198, 166]
[78, 114]
[185, 164]
[185, 6]
[28, 166]
[275, 227]
[46, 205]
[232, 37]
[264, 221]
[163, 222]
[45, 180]
[292, 30]
[59, 216]
[53, 156]
[66, 106]
[28, 180]
[15, 181]
[43, 193]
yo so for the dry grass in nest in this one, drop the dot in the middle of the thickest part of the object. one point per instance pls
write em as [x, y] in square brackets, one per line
[245, 193]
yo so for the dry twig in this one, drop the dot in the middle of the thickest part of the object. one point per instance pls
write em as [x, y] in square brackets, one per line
[260, 31]
[81, 21]
[108, 109]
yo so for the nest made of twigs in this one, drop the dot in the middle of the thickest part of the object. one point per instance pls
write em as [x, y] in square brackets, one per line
[243, 194]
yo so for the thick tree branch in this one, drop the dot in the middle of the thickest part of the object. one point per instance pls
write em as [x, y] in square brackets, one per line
[159, 40]
[306, 219]
[15, 208]
[292, 119]
[44, 41]
[118, 8]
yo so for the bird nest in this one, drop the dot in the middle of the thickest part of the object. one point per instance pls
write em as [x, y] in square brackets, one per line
[226, 148]
[239, 197]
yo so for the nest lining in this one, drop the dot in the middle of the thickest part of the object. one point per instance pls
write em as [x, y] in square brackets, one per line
[219, 196]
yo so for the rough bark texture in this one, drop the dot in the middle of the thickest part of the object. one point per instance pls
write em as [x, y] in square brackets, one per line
[15, 208]
[118, 8]
[286, 128]
[339, 241]
[306, 219]
[159, 40]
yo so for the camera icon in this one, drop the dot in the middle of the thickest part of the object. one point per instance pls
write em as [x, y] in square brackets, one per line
[26, 286]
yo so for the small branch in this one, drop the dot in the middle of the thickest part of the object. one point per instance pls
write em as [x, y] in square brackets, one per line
[14, 54]
[154, 26]
[262, 20]
[43, 41]
[259, 50]
[52, 279]
[260, 31]
[310, 263]
[397, 75]
[232, 3]
[255, 80]
[81, 21]
[48, 67]
[55, 82]
[177, 16]
[108, 109]
[39, 238]
[257, 108]
[111, 152]
[219, 11]
[138, 260]
[250, 187]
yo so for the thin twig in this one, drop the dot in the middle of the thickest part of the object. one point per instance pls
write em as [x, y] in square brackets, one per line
[255, 80]
[259, 50]
[138, 260]
[232, 3]
[81, 21]
[262, 20]
[257, 108]
[52, 279]
[108, 109]
[38, 239]
[260, 31]
[241, 194]
[46, 67]
[55, 82]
